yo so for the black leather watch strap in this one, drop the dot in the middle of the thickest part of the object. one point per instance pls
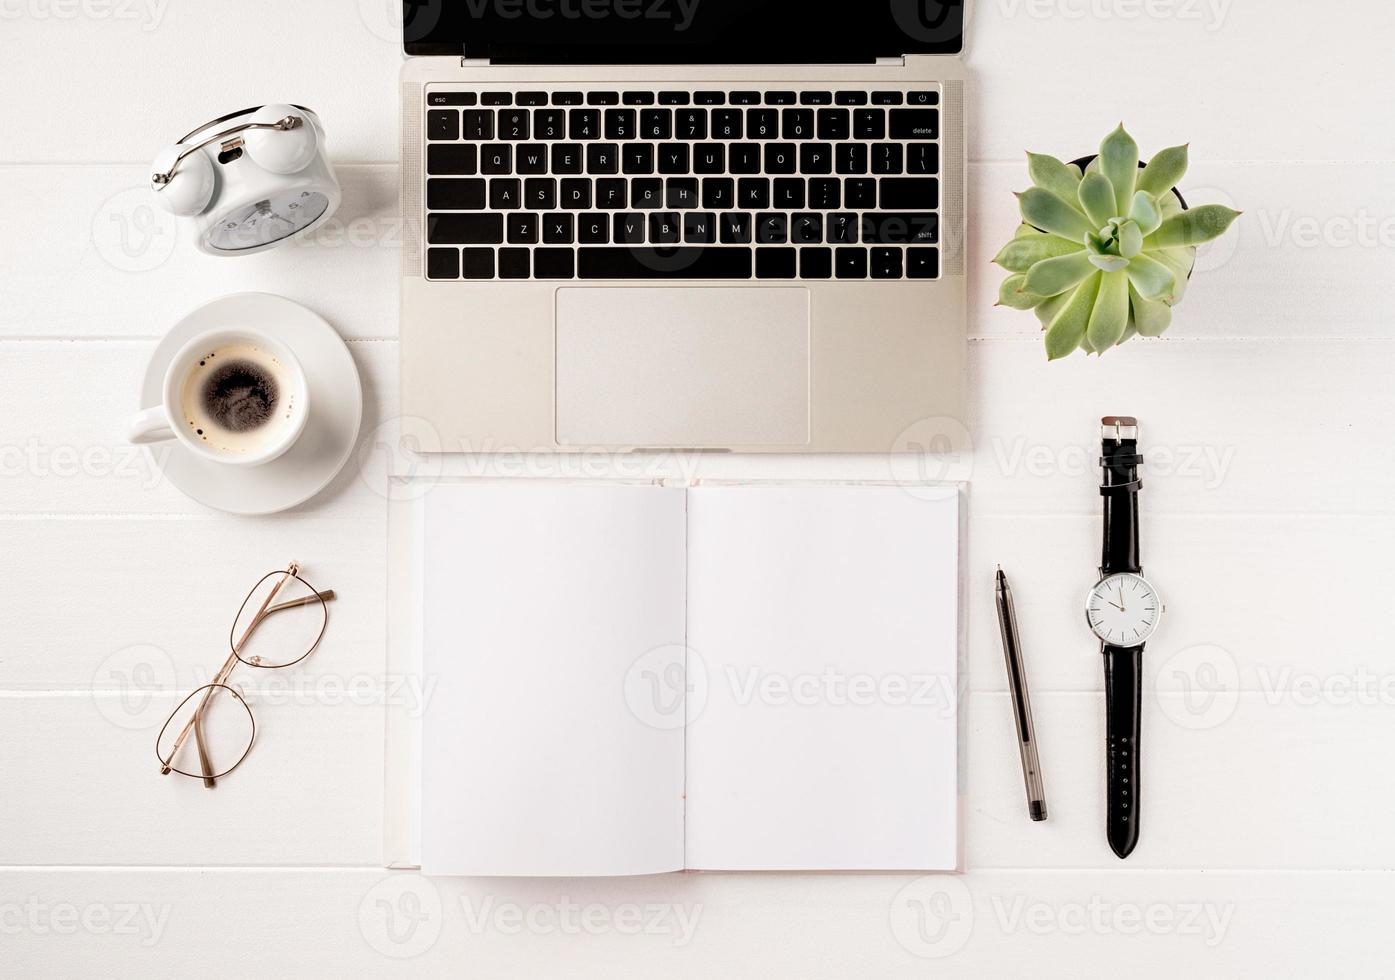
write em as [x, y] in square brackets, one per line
[1123, 693]
[1120, 461]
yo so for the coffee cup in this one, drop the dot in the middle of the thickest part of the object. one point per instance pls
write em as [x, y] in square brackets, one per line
[236, 397]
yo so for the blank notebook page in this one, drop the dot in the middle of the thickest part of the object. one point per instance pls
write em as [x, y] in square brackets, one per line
[826, 621]
[538, 601]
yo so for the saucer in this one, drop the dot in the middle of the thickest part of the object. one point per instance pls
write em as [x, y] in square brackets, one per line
[336, 409]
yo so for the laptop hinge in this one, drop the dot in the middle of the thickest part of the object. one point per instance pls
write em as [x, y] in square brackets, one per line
[899, 62]
[474, 62]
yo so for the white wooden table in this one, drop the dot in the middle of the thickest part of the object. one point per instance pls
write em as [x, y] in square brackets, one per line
[1266, 849]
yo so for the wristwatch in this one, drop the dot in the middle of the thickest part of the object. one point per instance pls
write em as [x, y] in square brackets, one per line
[1123, 610]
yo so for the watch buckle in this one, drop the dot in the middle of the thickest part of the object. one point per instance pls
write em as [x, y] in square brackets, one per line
[1119, 427]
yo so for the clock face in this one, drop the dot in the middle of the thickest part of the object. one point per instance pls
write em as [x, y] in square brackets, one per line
[267, 221]
[1124, 610]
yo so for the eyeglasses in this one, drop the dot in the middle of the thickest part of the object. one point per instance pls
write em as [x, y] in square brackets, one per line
[279, 624]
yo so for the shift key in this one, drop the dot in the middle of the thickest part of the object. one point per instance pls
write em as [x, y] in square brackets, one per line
[910, 194]
[915, 124]
[465, 229]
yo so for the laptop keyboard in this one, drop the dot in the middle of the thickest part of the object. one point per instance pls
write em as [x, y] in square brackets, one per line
[693, 185]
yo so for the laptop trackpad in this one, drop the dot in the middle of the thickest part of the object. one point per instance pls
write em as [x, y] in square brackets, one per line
[682, 367]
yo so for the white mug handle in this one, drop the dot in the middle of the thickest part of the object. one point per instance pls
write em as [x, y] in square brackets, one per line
[148, 427]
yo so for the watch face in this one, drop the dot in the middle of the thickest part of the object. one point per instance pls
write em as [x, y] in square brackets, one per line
[1124, 610]
[267, 221]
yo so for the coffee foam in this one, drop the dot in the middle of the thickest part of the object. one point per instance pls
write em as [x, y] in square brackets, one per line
[239, 399]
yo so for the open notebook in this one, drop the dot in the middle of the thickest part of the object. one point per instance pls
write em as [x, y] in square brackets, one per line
[639, 679]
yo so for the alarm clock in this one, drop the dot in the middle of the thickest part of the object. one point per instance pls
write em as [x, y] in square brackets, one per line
[251, 180]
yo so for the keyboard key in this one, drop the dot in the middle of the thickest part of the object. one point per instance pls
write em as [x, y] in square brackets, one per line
[896, 228]
[576, 194]
[763, 124]
[710, 98]
[452, 98]
[665, 228]
[674, 158]
[776, 263]
[790, 193]
[559, 229]
[780, 98]
[630, 228]
[923, 263]
[505, 194]
[698, 262]
[745, 98]
[656, 124]
[735, 229]
[888, 158]
[479, 124]
[477, 263]
[834, 124]
[531, 159]
[710, 158]
[888, 98]
[612, 194]
[681, 193]
[460, 159]
[584, 124]
[744, 158]
[603, 98]
[602, 158]
[816, 158]
[772, 229]
[825, 193]
[860, 194]
[443, 263]
[753, 193]
[869, 124]
[887, 263]
[647, 194]
[923, 158]
[719, 193]
[566, 158]
[816, 263]
[728, 124]
[513, 124]
[922, 98]
[850, 263]
[816, 98]
[496, 98]
[691, 124]
[567, 98]
[699, 228]
[915, 124]
[496, 158]
[780, 158]
[524, 229]
[443, 124]
[593, 229]
[639, 98]
[806, 229]
[621, 124]
[797, 124]
[674, 98]
[550, 124]
[852, 158]
[514, 263]
[638, 158]
[851, 98]
[455, 194]
[531, 98]
[554, 263]
[910, 194]
[841, 229]
[465, 229]
[540, 193]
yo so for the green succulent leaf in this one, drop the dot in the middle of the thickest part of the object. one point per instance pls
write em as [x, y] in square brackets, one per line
[1165, 171]
[1051, 277]
[1021, 254]
[1130, 239]
[1051, 174]
[1109, 263]
[1111, 314]
[1144, 213]
[1181, 261]
[1150, 318]
[1169, 206]
[1025, 230]
[1067, 328]
[1048, 212]
[1194, 227]
[1151, 278]
[1119, 162]
[1047, 311]
[1097, 198]
[1012, 294]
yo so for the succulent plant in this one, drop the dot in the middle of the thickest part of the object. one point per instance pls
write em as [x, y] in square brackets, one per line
[1104, 253]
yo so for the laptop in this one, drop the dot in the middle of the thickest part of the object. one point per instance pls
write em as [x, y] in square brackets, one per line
[653, 225]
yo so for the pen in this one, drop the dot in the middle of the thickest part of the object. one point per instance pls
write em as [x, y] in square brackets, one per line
[1021, 703]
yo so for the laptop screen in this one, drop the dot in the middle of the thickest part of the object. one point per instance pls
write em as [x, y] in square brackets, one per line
[682, 31]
